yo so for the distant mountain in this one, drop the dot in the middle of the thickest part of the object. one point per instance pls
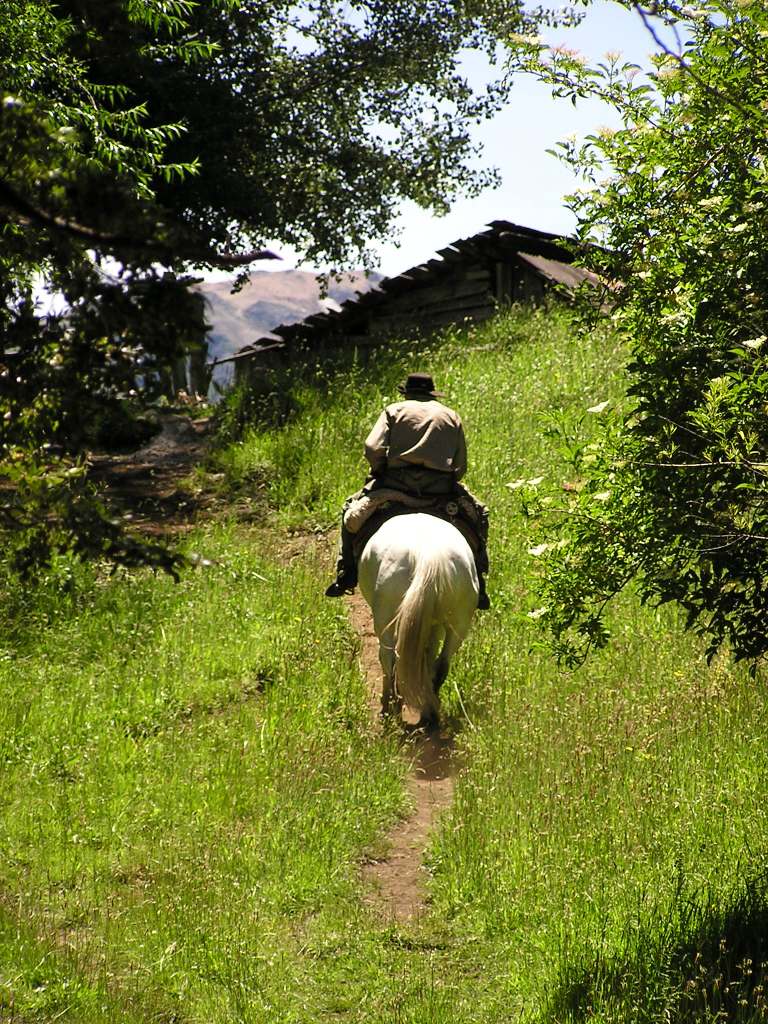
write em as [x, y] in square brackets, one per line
[270, 299]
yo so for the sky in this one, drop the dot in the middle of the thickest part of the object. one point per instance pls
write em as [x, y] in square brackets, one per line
[516, 142]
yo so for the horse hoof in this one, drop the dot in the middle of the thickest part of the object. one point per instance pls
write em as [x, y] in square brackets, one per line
[428, 723]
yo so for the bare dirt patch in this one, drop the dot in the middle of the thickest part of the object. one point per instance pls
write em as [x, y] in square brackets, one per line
[397, 881]
[150, 484]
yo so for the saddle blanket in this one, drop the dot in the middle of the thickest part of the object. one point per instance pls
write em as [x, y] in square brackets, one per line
[366, 513]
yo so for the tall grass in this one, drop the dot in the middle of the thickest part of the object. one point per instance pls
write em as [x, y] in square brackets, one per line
[186, 770]
[190, 777]
[601, 812]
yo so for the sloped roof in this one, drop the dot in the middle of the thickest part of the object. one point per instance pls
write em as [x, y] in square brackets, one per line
[250, 350]
[559, 273]
[547, 254]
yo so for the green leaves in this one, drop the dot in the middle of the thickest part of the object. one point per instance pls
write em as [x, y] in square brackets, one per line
[678, 201]
[139, 137]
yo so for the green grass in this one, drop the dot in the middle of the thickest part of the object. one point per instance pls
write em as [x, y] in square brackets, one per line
[187, 769]
[190, 776]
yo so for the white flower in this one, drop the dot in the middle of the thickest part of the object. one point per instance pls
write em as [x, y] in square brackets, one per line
[535, 481]
[525, 40]
[516, 484]
[537, 613]
[754, 342]
[539, 550]
[601, 407]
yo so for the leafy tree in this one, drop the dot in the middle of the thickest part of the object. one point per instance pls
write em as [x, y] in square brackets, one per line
[139, 138]
[674, 493]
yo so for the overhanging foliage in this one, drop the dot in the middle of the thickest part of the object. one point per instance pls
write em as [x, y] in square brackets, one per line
[141, 137]
[675, 494]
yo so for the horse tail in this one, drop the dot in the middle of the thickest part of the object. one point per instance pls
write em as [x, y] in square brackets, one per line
[416, 620]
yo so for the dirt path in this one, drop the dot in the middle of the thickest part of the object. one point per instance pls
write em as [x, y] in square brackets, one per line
[397, 881]
[149, 483]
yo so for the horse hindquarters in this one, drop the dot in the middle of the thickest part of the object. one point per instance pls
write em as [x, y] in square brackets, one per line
[417, 635]
[418, 575]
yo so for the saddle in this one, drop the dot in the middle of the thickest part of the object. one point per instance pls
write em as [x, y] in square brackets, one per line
[367, 513]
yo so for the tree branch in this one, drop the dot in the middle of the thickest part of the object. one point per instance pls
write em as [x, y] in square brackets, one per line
[754, 467]
[720, 94]
[30, 213]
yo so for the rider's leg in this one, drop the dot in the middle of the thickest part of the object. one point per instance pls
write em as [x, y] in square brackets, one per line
[346, 566]
[479, 519]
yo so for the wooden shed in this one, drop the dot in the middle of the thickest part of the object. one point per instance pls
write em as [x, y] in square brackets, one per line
[467, 281]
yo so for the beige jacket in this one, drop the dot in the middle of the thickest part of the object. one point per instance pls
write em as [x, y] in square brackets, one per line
[415, 433]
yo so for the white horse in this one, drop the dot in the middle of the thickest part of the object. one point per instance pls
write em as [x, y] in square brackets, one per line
[418, 575]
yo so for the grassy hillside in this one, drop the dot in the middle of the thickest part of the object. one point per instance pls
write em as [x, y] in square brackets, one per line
[190, 778]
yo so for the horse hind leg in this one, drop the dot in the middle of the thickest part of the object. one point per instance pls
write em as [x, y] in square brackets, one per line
[429, 721]
[429, 718]
[441, 672]
[391, 703]
[443, 663]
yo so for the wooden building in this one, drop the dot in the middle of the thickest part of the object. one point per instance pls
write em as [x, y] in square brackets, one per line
[467, 281]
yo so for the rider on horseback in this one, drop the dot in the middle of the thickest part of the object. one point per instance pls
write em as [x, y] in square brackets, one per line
[417, 450]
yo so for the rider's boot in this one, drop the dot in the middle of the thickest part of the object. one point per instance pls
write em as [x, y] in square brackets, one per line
[346, 568]
[345, 582]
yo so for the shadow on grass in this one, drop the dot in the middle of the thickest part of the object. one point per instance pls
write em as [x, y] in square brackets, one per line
[703, 964]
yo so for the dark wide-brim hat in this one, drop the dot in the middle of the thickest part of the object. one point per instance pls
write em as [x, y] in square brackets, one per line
[420, 384]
